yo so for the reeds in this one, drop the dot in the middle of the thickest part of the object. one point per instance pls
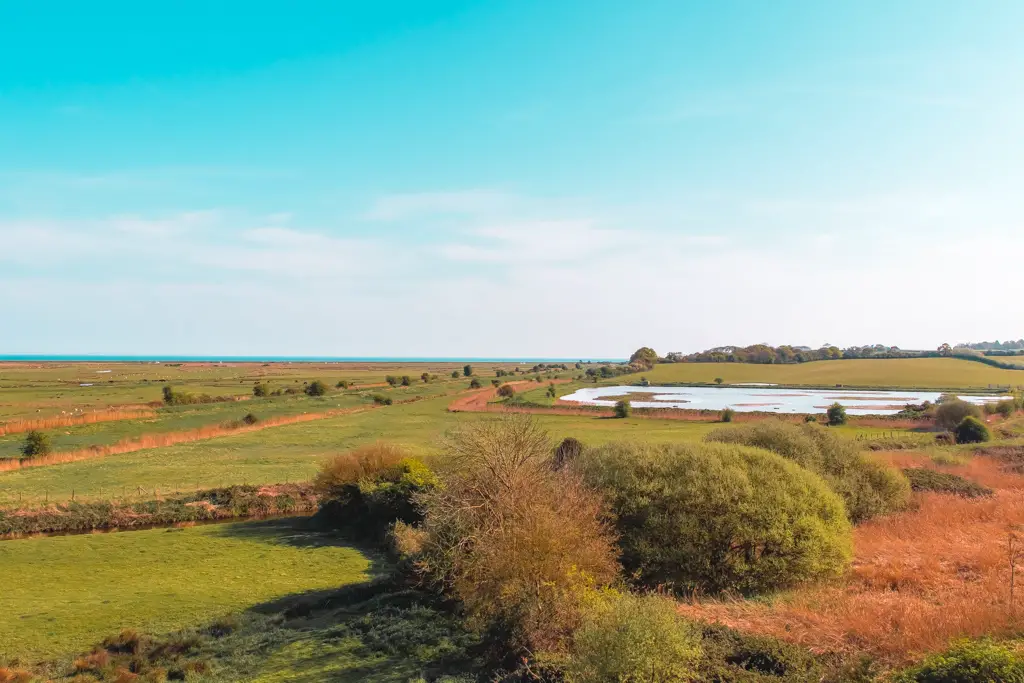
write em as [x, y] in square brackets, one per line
[922, 578]
[169, 439]
[111, 415]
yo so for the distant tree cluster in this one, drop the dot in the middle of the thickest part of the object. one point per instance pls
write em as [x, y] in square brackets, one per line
[997, 345]
[766, 354]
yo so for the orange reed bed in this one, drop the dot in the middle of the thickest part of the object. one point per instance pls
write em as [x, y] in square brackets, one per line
[169, 439]
[112, 415]
[920, 579]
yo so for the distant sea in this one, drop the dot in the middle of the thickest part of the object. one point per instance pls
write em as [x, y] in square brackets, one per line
[292, 359]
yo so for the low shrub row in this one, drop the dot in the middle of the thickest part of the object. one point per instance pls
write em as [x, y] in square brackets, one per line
[203, 506]
[922, 479]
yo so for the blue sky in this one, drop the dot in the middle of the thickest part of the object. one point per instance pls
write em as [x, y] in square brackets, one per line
[508, 178]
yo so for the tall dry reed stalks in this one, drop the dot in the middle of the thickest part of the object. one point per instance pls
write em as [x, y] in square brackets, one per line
[169, 439]
[111, 415]
[921, 578]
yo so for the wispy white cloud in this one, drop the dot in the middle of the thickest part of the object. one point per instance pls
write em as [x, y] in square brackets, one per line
[419, 204]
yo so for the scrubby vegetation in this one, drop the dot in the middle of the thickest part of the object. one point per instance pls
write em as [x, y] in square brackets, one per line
[231, 502]
[867, 487]
[368, 489]
[519, 543]
[951, 412]
[971, 430]
[623, 408]
[36, 444]
[640, 639]
[968, 662]
[718, 517]
[836, 415]
[923, 479]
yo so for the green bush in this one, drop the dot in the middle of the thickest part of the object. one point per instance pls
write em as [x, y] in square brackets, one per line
[36, 444]
[1007, 407]
[467, 370]
[640, 639]
[728, 414]
[382, 400]
[506, 391]
[342, 384]
[951, 412]
[731, 656]
[250, 419]
[716, 517]
[922, 479]
[868, 487]
[968, 662]
[406, 381]
[517, 543]
[260, 390]
[623, 409]
[368, 489]
[455, 374]
[972, 430]
[316, 388]
[474, 383]
[836, 415]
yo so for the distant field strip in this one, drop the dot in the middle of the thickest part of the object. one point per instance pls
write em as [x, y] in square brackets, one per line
[21, 426]
[170, 439]
[934, 373]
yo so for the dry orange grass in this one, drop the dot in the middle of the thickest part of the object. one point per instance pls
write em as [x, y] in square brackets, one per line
[920, 578]
[359, 463]
[20, 426]
[169, 439]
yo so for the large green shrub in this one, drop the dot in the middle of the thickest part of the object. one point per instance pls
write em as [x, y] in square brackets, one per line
[36, 444]
[517, 543]
[719, 517]
[972, 430]
[968, 662]
[316, 388]
[368, 489]
[952, 411]
[836, 414]
[623, 408]
[868, 487]
[640, 639]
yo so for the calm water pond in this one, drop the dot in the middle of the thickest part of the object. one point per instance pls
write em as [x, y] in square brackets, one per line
[761, 398]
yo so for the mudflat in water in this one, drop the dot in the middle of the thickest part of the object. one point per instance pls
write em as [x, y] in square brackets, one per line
[763, 399]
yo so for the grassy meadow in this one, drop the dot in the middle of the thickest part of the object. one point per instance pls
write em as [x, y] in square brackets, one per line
[63, 593]
[923, 373]
[33, 390]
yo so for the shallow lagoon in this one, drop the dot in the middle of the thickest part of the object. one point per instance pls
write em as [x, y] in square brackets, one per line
[762, 398]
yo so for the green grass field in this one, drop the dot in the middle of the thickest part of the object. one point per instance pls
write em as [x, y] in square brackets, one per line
[29, 390]
[62, 594]
[293, 452]
[937, 373]
[187, 417]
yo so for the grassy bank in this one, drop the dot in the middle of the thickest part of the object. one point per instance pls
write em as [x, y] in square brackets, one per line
[61, 593]
[234, 502]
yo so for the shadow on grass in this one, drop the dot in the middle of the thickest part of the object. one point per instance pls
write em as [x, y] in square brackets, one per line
[298, 532]
[382, 630]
